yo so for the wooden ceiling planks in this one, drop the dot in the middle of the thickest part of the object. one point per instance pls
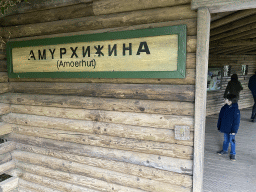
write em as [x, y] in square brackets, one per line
[233, 33]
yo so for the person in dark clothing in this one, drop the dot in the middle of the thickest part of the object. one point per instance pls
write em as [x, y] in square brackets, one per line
[234, 87]
[228, 123]
[252, 87]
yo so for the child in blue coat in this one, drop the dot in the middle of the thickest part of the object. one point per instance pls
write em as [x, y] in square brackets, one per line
[228, 123]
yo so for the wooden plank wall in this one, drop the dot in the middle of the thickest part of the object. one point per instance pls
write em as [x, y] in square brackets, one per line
[101, 134]
[215, 99]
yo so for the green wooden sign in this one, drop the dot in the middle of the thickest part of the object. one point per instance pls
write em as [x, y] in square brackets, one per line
[145, 53]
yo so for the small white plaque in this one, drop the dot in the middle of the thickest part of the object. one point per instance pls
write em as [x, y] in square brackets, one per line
[182, 132]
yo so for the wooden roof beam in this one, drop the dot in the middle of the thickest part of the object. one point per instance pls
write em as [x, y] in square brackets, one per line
[234, 32]
[234, 25]
[239, 49]
[246, 51]
[233, 17]
[240, 35]
[216, 16]
[225, 51]
[231, 44]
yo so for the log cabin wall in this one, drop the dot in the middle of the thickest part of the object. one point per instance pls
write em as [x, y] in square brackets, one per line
[101, 134]
[215, 98]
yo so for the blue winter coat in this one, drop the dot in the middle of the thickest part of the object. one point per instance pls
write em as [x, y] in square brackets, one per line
[229, 119]
[252, 85]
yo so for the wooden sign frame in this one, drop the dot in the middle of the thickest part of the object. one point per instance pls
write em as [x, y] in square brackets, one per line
[179, 30]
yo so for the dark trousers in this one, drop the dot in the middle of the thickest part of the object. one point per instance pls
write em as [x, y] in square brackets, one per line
[254, 108]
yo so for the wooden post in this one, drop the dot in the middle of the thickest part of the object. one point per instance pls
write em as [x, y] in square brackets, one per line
[203, 36]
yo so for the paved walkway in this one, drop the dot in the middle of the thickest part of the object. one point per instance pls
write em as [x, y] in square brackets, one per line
[221, 174]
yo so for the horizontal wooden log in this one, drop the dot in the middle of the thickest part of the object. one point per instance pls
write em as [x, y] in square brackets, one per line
[123, 91]
[78, 102]
[96, 173]
[2, 55]
[3, 66]
[101, 22]
[4, 87]
[2, 45]
[9, 184]
[1, 31]
[122, 167]
[97, 128]
[3, 77]
[103, 7]
[85, 10]
[7, 167]
[45, 184]
[234, 25]
[5, 128]
[188, 80]
[4, 108]
[232, 17]
[126, 118]
[147, 160]
[7, 147]
[238, 32]
[48, 15]
[4, 158]
[35, 5]
[190, 23]
[163, 149]
[70, 178]
[26, 186]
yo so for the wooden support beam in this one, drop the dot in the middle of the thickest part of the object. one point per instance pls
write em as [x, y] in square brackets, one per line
[203, 36]
[106, 104]
[121, 167]
[216, 6]
[109, 176]
[232, 17]
[123, 91]
[9, 184]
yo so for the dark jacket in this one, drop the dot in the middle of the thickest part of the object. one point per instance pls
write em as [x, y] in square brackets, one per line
[233, 87]
[252, 85]
[229, 119]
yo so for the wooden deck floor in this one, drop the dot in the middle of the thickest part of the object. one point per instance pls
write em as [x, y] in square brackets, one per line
[221, 174]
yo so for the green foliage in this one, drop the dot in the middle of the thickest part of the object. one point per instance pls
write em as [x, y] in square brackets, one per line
[6, 4]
